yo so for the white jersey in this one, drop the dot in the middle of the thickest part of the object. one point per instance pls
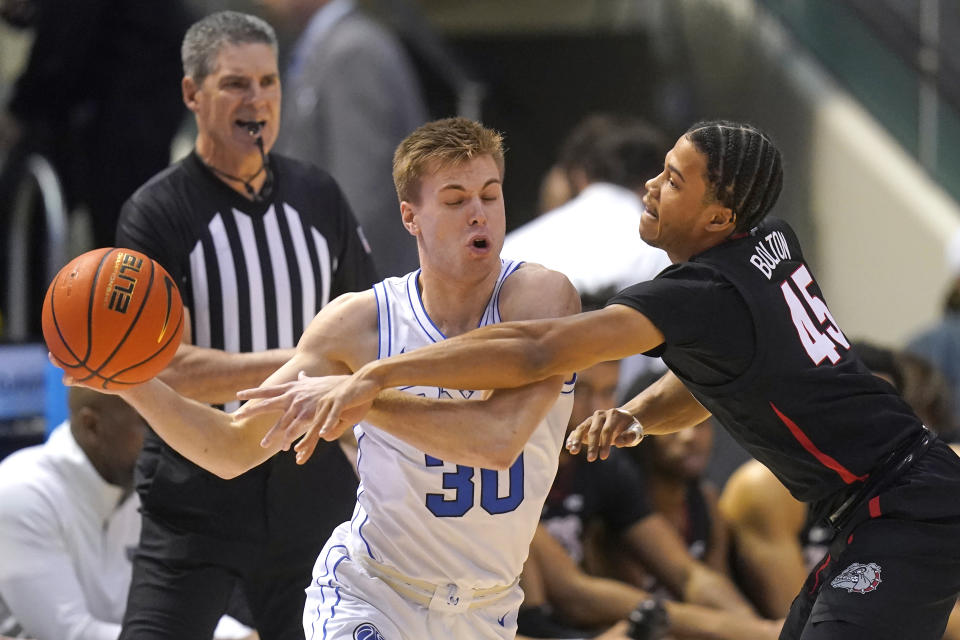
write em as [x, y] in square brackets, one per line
[436, 521]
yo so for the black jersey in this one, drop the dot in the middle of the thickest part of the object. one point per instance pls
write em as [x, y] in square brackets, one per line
[748, 332]
[697, 523]
[611, 492]
[253, 275]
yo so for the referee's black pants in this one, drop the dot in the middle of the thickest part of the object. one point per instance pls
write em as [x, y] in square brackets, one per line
[183, 598]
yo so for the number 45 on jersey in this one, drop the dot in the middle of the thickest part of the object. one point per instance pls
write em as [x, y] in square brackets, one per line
[820, 337]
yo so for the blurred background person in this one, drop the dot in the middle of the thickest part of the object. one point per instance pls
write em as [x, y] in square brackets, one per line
[670, 472]
[562, 600]
[594, 237]
[69, 524]
[352, 94]
[672, 467]
[940, 344]
[606, 504]
[566, 177]
[919, 381]
[94, 98]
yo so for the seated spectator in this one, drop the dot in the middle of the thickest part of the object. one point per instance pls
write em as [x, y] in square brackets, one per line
[773, 545]
[672, 467]
[561, 600]
[68, 524]
[610, 494]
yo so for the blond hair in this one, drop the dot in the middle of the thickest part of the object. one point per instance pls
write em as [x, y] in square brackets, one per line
[450, 141]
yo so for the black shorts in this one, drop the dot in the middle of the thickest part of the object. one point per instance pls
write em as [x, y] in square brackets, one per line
[897, 574]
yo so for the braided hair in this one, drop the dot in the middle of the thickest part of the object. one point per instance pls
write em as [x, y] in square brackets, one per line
[743, 167]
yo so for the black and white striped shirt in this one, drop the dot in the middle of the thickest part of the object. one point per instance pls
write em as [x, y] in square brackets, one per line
[253, 275]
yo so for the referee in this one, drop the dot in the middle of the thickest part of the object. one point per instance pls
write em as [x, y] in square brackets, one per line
[258, 243]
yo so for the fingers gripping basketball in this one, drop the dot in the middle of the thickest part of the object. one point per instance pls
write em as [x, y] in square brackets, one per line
[112, 318]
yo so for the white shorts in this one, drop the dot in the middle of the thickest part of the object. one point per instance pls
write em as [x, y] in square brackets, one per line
[346, 602]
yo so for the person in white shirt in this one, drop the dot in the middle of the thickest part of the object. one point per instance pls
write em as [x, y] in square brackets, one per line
[68, 523]
[351, 94]
[592, 238]
[68, 520]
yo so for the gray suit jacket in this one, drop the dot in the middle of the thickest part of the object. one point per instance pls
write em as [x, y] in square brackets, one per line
[353, 98]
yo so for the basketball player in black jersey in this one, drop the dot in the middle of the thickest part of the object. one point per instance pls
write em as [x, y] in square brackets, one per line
[748, 337]
[258, 244]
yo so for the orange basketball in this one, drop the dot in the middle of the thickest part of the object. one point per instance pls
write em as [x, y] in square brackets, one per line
[112, 318]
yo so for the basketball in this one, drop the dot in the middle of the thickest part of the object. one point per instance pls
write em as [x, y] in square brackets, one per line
[112, 318]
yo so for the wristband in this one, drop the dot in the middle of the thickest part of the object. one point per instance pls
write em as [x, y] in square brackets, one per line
[648, 621]
[636, 427]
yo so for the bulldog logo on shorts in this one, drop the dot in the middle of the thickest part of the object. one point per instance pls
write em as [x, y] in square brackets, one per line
[858, 578]
[367, 631]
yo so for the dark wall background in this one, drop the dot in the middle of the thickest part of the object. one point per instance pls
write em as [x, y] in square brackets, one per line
[538, 86]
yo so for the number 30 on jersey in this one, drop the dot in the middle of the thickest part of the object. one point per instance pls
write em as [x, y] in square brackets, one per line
[820, 337]
[462, 481]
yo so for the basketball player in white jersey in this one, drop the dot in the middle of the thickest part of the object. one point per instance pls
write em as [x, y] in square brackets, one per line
[452, 481]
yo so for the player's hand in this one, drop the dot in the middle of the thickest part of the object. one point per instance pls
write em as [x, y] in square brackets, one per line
[603, 430]
[305, 403]
[69, 381]
[342, 406]
[297, 400]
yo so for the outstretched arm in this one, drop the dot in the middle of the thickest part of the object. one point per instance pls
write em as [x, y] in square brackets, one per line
[502, 356]
[490, 434]
[513, 354]
[338, 340]
[663, 407]
[204, 435]
[592, 601]
[214, 375]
